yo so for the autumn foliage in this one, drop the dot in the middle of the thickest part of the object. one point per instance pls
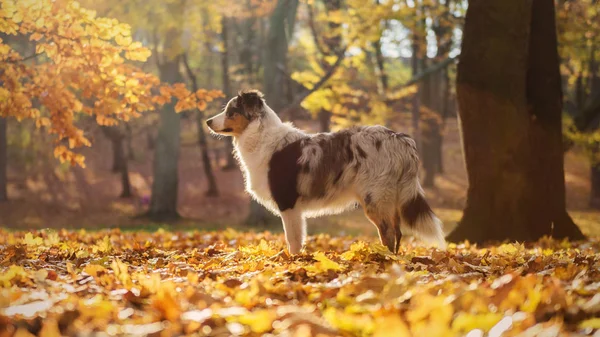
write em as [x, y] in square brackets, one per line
[234, 283]
[82, 66]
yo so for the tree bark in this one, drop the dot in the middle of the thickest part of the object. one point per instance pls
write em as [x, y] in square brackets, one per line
[510, 100]
[212, 190]
[120, 165]
[3, 161]
[230, 164]
[280, 22]
[595, 179]
[125, 183]
[281, 19]
[118, 153]
[163, 203]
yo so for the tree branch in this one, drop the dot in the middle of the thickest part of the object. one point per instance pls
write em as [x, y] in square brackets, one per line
[307, 92]
[425, 73]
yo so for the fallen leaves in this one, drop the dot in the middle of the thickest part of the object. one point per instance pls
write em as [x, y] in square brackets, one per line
[232, 283]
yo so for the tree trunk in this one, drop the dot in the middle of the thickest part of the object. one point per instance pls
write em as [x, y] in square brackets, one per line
[118, 150]
[595, 179]
[276, 52]
[125, 183]
[3, 161]
[212, 191]
[510, 101]
[416, 102]
[383, 77]
[120, 165]
[230, 164]
[324, 117]
[163, 203]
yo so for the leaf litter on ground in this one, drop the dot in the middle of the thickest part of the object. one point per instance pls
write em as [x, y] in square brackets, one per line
[225, 283]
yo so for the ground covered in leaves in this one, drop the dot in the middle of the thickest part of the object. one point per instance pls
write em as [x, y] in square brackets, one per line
[231, 283]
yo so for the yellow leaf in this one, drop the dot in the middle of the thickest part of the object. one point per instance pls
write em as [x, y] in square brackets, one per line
[592, 323]
[391, 326]
[323, 264]
[465, 322]
[259, 321]
[94, 270]
[30, 241]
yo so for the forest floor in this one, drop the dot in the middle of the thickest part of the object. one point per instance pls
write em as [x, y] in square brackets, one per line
[228, 283]
[54, 197]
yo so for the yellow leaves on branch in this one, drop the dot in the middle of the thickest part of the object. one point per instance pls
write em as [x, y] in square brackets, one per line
[77, 71]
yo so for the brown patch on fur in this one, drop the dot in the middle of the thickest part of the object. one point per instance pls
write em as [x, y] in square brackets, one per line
[361, 152]
[250, 103]
[368, 199]
[415, 208]
[235, 124]
[378, 144]
[283, 175]
[337, 155]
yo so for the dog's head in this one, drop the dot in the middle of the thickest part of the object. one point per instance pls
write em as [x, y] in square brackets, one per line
[240, 111]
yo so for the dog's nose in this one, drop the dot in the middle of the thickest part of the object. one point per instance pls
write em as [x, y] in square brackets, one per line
[209, 122]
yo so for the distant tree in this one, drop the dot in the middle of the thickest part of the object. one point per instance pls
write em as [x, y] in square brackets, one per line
[510, 101]
[120, 160]
[281, 28]
[3, 161]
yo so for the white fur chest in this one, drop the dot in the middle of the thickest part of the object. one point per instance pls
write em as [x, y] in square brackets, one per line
[255, 167]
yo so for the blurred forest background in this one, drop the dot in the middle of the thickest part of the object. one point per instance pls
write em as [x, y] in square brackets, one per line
[323, 64]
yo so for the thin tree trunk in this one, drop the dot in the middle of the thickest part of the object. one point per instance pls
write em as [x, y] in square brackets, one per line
[129, 138]
[3, 161]
[383, 77]
[509, 97]
[118, 150]
[416, 103]
[125, 183]
[120, 165]
[230, 164]
[595, 179]
[324, 117]
[212, 191]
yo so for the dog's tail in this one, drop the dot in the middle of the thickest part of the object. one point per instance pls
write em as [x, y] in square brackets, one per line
[418, 218]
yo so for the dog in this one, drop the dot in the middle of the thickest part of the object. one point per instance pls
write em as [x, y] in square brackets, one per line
[298, 175]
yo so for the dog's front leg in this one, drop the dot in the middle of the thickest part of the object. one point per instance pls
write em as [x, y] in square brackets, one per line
[295, 230]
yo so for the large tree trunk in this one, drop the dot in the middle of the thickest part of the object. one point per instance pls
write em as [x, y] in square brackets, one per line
[510, 101]
[163, 204]
[3, 161]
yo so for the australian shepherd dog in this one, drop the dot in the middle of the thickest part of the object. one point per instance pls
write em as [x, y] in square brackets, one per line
[298, 175]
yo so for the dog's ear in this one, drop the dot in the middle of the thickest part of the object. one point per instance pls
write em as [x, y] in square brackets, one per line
[251, 101]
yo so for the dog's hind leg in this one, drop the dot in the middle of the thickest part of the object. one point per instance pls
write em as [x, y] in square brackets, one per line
[294, 226]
